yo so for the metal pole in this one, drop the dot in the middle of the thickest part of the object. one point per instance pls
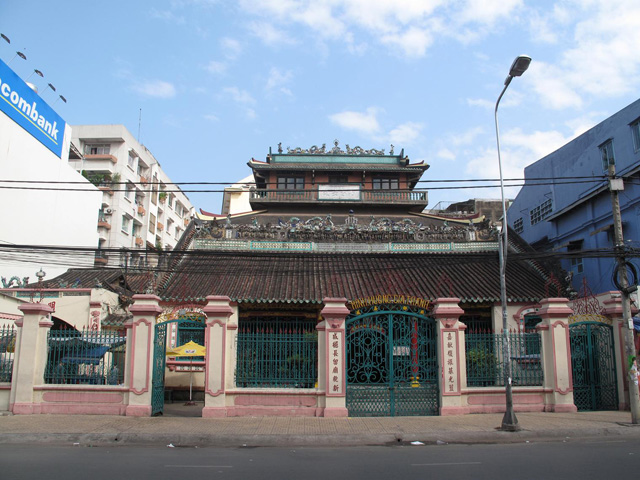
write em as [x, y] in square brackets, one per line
[629, 346]
[509, 421]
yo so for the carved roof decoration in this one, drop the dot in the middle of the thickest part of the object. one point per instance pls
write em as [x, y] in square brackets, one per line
[336, 150]
[352, 229]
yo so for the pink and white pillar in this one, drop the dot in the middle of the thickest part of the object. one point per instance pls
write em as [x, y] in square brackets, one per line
[218, 311]
[30, 358]
[556, 355]
[332, 356]
[139, 357]
[453, 376]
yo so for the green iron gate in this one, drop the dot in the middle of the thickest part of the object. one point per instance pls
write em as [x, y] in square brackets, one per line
[187, 330]
[593, 366]
[392, 367]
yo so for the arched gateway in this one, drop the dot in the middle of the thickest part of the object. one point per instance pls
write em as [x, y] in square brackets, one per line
[392, 362]
[190, 327]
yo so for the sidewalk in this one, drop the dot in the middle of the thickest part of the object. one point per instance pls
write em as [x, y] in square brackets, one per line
[303, 431]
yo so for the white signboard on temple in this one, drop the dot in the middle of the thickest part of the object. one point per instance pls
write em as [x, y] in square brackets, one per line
[339, 192]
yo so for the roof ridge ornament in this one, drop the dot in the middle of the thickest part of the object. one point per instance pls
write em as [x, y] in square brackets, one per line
[336, 150]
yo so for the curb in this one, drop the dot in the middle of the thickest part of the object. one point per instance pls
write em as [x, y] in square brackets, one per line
[332, 440]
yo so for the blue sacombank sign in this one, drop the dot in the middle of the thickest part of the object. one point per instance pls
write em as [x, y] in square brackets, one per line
[28, 110]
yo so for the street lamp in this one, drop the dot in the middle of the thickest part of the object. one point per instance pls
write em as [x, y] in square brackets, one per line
[509, 421]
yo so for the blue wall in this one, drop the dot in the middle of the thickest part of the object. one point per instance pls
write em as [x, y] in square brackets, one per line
[581, 211]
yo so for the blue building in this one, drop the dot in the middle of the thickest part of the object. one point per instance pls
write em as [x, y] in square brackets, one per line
[565, 203]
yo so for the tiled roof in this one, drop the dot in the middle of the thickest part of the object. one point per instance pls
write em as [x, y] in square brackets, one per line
[110, 278]
[310, 278]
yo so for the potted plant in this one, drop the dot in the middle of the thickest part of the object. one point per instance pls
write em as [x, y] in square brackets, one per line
[162, 196]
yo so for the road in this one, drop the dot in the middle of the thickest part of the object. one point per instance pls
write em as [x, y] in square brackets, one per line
[572, 459]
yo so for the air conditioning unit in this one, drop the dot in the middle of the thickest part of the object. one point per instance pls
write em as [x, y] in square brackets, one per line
[108, 211]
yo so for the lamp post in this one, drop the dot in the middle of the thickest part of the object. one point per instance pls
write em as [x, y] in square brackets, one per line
[509, 421]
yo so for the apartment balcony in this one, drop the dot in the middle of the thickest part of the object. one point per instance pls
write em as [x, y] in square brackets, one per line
[139, 241]
[340, 194]
[141, 210]
[144, 180]
[160, 227]
[101, 259]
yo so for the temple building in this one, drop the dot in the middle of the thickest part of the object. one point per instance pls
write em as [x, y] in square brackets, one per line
[335, 294]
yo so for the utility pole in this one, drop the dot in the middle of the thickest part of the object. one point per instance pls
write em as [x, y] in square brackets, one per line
[616, 185]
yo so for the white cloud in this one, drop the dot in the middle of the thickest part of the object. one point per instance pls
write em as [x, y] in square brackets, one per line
[269, 34]
[486, 11]
[465, 138]
[412, 42]
[278, 80]
[408, 26]
[216, 67]
[239, 96]
[481, 102]
[231, 48]
[211, 117]
[553, 85]
[365, 123]
[155, 88]
[168, 16]
[406, 133]
[446, 154]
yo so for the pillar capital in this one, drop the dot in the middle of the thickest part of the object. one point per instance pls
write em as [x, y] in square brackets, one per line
[218, 306]
[35, 308]
[555, 308]
[145, 305]
[447, 308]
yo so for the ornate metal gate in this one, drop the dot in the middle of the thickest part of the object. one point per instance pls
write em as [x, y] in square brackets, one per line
[392, 366]
[593, 365]
[160, 359]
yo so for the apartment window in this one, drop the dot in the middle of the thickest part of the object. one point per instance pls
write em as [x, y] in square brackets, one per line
[154, 190]
[128, 190]
[385, 183]
[132, 160]
[97, 149]
[541, 212]
[606, 151]
[290, 183]
[635, 132]
[518, 225]
[178, 231]
[171, 197]
[577, 265]
[126, 223]
[152, 223]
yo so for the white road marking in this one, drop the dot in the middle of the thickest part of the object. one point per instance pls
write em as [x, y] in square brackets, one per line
[198, 466]
[443, 464]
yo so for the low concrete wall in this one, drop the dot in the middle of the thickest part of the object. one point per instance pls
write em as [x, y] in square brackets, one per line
[271, 402]
[80, 400]
[493, 399]
[5, 393]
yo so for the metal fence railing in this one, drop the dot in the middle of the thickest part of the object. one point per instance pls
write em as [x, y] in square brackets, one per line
[7, 349]
[85, 357]
[486, 362]
[277, 352]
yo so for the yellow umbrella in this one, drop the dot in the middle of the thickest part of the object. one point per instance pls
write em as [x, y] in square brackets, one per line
[189, 349]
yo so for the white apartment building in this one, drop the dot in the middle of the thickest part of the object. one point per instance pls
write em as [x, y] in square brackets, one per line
[141, 208]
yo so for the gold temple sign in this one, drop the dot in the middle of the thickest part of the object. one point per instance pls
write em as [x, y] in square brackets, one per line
[589, 317]
[390, 299]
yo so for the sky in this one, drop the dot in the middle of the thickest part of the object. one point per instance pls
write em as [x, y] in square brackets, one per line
[216, 82]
